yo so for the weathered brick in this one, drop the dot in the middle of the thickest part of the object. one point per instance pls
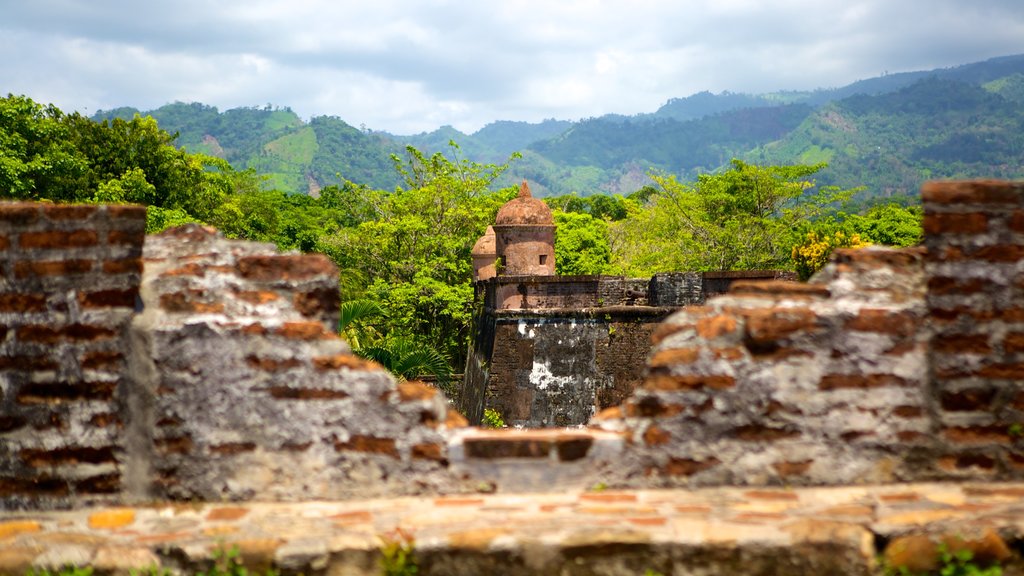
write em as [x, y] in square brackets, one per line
[778, 323]
[961, 343]
[55, 393]
[257, 296]
[5, 243]
[943, 285]
[955, 223]
[67, 455]
[838, 381]
[964, 461]
[780, 288]
[883, 321]
[792, 468]
[290, 393]
[102, 360]
[232, 448]
[58, 239]
[286, 267]
[655, 436]
[669, 382]
[673, 357]
[29, 268]
[303, 331]
[22, 303]
[687, 466]
[350, 361]
[967, 400]
[520, 446]
[428, 452]
[27, 362]
[126, 237]
[1005, 253]
[317, 302]
[908, 411]
[414, 390]
[652, 407]
[113, 298]
[189, 301]
[271, 364]
[762, 433]
[173, 445]
[971, 192]
[370, 444]
[716, 326]
[571, 447]
[19, 214]
[978, 434]
[668, 328]
[123, 266]
[1003, 371]
[69, 333]
[70, 211]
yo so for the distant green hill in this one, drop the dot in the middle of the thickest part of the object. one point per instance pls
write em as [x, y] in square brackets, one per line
[888, 133]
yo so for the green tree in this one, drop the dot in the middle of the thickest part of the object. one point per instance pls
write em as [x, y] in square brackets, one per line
[38, 159]
[743, 218]
[581, 244]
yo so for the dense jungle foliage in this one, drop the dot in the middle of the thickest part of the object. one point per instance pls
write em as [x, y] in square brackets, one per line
[404, 252]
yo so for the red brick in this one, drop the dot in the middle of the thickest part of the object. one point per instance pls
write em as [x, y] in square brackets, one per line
[838, 381]
[666, 329]
[792, 468]
[123, 266]
[961, 343]
[303, 331]
[900, 259]
[688, 467]
[667, 382]
[5, 243]
[71, 332]
[19, 214]
[58, 239]
[716, 326]
[187, 302]
[27, 268]
[999, 253]
[971, 192]
[127, 213]
[778, 323]
[967, 400]
[56, 393]
[652, 407]
[880, 320]
[782, 288]
[1013, 343]
[942, 285]
[955, 223]
[414, 390]
[102, 360]
[23, 303]
[289, 393]
[27, 363]
[173, 445]
[109, 298]
[370, 444]
[126, 237]
[257, 296]
[428, 451]
[232, 448]
[908, 411]
[674, 357]
[286, 267]
[317, 302]
[350, 361]
[978, 434]
[70, 211]
[509, 447]
[655, 436]
[271, 364]
[67, 455]
[1007, 371]
[761, 433]
[1016, 223]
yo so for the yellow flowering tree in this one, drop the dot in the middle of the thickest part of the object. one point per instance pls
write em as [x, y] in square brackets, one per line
[814, 252]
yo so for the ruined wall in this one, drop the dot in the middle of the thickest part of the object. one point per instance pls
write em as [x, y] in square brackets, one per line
[214, 374]
[555, 350]
[890, 365]
[70, 281]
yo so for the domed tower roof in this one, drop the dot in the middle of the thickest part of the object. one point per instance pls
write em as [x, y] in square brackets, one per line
[524, 210]
[486, 245]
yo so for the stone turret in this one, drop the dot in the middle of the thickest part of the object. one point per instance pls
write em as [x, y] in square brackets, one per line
[484, 256]
[525, 236]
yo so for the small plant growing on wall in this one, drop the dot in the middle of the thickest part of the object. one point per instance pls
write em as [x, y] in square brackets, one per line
[492, 419]
[398, 554]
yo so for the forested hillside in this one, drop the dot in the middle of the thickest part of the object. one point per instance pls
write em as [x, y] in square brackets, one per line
[887, 134]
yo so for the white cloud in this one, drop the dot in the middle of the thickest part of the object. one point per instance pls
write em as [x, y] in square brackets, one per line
[408, 66]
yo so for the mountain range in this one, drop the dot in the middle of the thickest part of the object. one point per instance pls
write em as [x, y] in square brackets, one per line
[885, 134]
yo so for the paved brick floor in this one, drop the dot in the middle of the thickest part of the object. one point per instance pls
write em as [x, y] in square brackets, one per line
[712, 531]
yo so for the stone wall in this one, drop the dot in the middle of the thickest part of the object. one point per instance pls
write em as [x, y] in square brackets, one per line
[214, 374]
[555, 350]
[69, 289]
[889, 366]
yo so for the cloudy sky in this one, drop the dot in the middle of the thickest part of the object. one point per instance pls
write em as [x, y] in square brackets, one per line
[408, 66]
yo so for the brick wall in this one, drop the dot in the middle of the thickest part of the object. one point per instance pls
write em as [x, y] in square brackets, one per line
[975, 240]
[890, 365]
[70, 283]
